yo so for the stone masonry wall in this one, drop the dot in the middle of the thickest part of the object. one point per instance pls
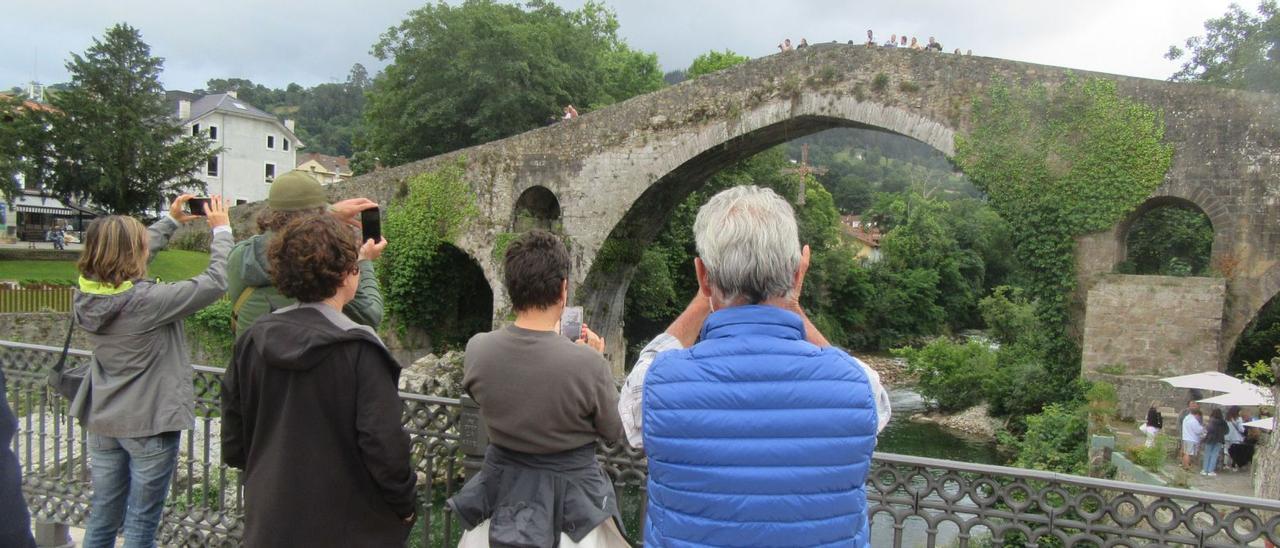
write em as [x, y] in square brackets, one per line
[1153, 325]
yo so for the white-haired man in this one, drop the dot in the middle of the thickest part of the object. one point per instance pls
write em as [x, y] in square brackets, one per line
[758, 431]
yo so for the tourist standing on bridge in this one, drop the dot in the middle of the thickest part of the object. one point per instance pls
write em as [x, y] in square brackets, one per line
[871, 40]
[757, 430]
[785, 45]
[545, 400]
[293, 195]
[138, 398]
[893, 41]
[310, 409]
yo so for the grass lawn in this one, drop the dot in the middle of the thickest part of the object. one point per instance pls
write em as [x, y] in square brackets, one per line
[169, 265]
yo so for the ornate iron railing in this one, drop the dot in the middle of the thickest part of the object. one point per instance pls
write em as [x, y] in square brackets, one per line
[913, 501]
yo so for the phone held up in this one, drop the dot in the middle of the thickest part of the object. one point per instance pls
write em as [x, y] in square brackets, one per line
[370, 225]
[196, 205]
[571, 322]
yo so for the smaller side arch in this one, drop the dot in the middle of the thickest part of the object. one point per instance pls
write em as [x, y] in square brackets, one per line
[1147, 211]
[537, 207]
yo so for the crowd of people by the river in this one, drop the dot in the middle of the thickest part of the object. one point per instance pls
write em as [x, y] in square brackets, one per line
[747, 441]
[894, 41]
[1210, 442]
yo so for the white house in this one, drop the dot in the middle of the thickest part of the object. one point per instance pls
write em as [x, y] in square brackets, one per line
[255, 146]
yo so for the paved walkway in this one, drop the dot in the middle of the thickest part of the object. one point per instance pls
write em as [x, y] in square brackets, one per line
[1227, 481]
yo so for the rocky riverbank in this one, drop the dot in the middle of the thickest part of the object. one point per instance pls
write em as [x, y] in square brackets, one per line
[975, 421]
[893, 371]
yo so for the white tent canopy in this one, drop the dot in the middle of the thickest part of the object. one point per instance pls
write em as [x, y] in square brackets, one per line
[1267, 423]
[1209, 380]
[1251, 396]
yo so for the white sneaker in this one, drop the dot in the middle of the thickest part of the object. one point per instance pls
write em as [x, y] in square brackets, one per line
[1212, 474]
[1202, 473]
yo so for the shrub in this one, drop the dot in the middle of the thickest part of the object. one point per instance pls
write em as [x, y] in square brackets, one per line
[880, 82]
[210, 328]
[1054, 440]
[1152, 458]
[1008, 314]
[908, 87]
[952, 374]
[191, 240]
[1102, 405]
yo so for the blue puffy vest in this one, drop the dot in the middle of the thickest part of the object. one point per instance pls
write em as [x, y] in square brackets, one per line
[756, 437]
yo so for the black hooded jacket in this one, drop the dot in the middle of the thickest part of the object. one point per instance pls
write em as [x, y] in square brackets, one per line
[311, 413]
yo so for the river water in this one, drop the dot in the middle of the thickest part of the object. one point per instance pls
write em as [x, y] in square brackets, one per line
[929, 440]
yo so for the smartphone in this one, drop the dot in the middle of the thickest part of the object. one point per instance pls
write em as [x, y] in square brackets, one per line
[196, 205]
[370, 225]
[571, 322]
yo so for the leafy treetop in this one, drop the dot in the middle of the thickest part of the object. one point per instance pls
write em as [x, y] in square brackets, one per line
[471, 73]
[1238, 50]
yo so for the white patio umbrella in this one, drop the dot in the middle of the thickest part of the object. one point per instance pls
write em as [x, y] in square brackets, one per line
[1209, 380]
[1266, 423]
[1253, 395]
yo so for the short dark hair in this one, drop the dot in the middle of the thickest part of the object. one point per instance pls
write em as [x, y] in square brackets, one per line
[535, 266]
[311, 256]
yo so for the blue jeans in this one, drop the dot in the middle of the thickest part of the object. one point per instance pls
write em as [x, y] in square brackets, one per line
[1212, 452]
[130, 480]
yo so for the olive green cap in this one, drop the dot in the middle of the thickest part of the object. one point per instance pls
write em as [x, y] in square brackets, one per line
[296, 190]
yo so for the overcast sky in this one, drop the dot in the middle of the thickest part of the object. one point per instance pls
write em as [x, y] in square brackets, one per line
[316, 41]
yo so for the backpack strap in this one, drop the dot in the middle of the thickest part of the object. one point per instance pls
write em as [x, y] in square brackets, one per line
[235, 308]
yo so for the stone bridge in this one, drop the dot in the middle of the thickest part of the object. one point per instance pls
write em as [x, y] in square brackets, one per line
[610, 178]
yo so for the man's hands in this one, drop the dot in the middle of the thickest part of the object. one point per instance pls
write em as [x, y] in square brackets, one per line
[348, 211]
[590, 338]
[371, 250]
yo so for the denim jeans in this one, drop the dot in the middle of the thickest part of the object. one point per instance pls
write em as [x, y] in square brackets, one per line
[1212, 451]
[130, 480]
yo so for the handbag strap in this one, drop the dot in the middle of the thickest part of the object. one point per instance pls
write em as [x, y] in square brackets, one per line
[66, 345]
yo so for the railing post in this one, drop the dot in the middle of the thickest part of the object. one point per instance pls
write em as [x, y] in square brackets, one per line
[53, 535]
[475, 438]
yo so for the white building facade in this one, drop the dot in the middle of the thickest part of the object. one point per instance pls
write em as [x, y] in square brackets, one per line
[254, 146]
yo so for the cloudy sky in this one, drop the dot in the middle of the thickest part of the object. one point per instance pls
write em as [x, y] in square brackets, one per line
[316, 41]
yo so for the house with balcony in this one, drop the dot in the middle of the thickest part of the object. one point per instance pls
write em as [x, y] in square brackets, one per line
[253, 146]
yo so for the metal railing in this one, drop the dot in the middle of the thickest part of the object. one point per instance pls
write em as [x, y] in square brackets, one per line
[912, 501]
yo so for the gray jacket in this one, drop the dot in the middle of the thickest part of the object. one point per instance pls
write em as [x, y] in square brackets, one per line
[140, 381]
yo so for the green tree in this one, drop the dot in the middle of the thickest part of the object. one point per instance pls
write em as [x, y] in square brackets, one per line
[117, 144]
[1238, 50]
[25, 146]
[465, 74]
[712, 61]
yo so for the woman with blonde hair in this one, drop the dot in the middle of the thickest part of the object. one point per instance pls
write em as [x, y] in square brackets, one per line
[137, 398]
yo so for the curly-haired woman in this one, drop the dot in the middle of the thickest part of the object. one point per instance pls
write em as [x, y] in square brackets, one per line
[138, 397]
[310, 410]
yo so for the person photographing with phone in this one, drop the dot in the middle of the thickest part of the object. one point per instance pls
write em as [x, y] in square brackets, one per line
[545, 400]
[137, 398]
[293, 195]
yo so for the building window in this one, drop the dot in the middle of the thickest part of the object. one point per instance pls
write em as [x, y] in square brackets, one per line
[211, 169]
[195, 130]
[271, 142]
[285, 143]
[213, 133]
[271, 172]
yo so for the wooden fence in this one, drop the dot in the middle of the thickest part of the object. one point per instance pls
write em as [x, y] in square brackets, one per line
[45, 299]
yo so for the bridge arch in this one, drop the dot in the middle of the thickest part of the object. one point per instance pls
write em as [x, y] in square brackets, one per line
[1125, 229]
[537, 207]
[706, 152]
